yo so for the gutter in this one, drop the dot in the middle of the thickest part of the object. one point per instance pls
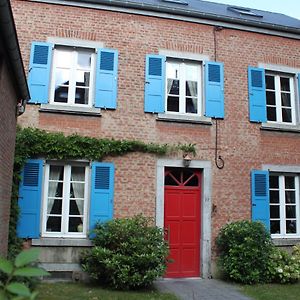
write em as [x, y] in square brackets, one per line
[8, 34]
[192, 13]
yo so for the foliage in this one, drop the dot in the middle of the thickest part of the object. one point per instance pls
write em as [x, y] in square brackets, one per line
[245, 248]
[33, 142]
[128, 253]
[284, 267]
[11, 288]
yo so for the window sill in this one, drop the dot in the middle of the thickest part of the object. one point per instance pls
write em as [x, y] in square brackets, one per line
[184, 119]
[52, 108]
[61, 242]
[280, 127]
[285, 241]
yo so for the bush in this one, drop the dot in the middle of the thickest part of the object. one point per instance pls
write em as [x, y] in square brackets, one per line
[128, 253]
[245, 248]
[284, 267]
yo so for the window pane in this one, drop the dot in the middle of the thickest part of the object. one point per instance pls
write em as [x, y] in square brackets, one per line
[172, 70]
[289, 182]
[191, 71]
[61, 94]
[271, 113]
[55, 189]
[193, 181]
[270, 82]
[84, 60]
[82, 79]
[290, 211]
[56, 172]
[191, 105]
[82, 96]
[173, 104]
[173, 87]
[270, 98]
[53, 224]
[287, 115]
[63, 58]
[78, 174]
[291, 226]
[75, 224]
[274, 211]
[77, 190]
[274, 196]
[169, 180]
[286, 99]
[275, 227]
[76, 207]
[290, 197]
[273, 181]
[191, 88]
[54, 206]
[62, 77]
[285, 84]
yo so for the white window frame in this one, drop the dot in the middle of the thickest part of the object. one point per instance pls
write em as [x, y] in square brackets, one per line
[282, 205]
[65, 202]
[72, 86]
[182, 88]
[278, 91]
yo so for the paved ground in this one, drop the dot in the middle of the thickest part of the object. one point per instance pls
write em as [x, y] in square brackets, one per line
[200, 289]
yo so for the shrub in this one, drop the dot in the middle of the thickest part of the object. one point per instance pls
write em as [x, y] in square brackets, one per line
[127, 253]
[284, 267]
[245, 248]
[12, 272]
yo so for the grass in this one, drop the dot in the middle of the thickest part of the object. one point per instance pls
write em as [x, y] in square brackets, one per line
[273, 291]
[78, 291]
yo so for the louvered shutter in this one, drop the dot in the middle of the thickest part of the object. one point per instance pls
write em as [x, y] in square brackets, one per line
[39, 72]
[30, 195]
[257, 95]
[102, 192]
[155, 84]
[214, 90]
[106, 79]
[260, 197]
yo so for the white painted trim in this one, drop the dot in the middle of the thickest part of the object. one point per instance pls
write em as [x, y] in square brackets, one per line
[279, 68]
[206, 204]
[184, 55]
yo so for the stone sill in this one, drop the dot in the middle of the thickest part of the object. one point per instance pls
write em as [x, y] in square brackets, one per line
[184, 119]
[60, 242]
[280, 127]
[73, 110]
[285, 242]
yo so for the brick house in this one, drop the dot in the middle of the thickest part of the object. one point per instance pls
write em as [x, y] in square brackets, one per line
[13, 92]
[165, 71]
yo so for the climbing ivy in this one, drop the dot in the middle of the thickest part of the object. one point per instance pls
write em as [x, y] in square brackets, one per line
[33, 142]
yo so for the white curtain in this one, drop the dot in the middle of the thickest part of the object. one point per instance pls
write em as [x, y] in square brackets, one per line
[170, 83]
[192, 85]
[52, 188]
[78, 189]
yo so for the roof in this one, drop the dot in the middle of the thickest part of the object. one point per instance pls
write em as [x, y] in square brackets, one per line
[210, 10]
[8, 37]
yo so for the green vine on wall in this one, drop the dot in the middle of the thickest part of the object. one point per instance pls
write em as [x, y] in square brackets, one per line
[33, 142]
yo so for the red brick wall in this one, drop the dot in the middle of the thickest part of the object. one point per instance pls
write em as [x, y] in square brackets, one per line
[242, 144]
[7, 147]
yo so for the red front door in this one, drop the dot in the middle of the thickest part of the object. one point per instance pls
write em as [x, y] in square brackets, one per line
[182, 221]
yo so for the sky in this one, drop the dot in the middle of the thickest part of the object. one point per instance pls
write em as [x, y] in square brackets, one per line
[287, 7]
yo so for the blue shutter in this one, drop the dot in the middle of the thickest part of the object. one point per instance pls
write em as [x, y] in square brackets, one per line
[155, 84]
[106, 79]
[39, 72]
[257, 95]
[102, 192]
[30, 199]
[214, 90]
[260, 197]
